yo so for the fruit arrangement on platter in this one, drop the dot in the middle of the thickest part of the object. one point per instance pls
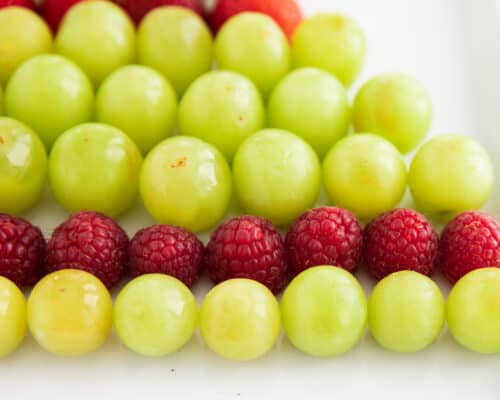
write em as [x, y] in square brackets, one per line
[247, 105]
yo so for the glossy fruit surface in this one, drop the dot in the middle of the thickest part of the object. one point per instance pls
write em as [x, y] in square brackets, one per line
[13, 323]
[50, 94]
[254, 45]
[23, 166]
[332, 42]
[324, 311]
[95, 167]
[177, 43]
[186, 182]
[23, 35]
[17, 3]
[240, 319]
[276, 175]
[450, 174]
[139, 101]
[222, 108]
[70, 313]
[396, 107]
[98, 36]
[365, 174]
[138, 9]
[406, 312]
[473, 311]
[286, 13]
[155, 315]
[53, 11]
[312, 104]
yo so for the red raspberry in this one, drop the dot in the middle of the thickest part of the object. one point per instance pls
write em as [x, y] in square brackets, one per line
[400, 240]
[53, 11]
[22, 250]
[468, 242]
[18, 3]
[92, 242]
[286, 13]
[137, 9]
[247, 247]
[324, 236]
[167, 250]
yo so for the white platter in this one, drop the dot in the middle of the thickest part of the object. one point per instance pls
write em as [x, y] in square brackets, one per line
[453, 46]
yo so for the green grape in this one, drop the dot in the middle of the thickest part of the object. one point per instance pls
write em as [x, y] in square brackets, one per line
[23, 34]
[98, 36]
[473, 311]
[23, 166]
[13, 323]
[255, 46]
[95, 167]
[186, 182]
[450, 174]
[155, 315]
[324, 311]
[365, 174]
[332, 42]
[396, 107]
[139, 101]
[240, 319]
[176, 42]
[406, 312]
[70, 313]
[50, 94]
[1, 101]
[276, 175]
[312, 104]
[222, 108]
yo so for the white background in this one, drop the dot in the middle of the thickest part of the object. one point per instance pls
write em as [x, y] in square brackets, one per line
[453, 47]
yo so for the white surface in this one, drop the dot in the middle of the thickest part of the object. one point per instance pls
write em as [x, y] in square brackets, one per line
[453, 47]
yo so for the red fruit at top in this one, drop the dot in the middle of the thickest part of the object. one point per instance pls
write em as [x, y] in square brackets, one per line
[53, 11]
[137, 9]
[468, 242]
[19, 3]
[22, 250]
[324, 236]
[247, 247]
[286, 13]
[400, 240]
[166, 249]
[92, 242]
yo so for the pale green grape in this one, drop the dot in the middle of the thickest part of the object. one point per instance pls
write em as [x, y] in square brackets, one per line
[396, 107]
[450, 174]
[95, 167]
[312, 104]
[50, 94]
[186, 182]
[23, 166]
[365, 174]
[332, 42]
[140, 102]
[13, 321]
[155, 315]
[473, 311]
[98, 36]
[276, 175]
[70, 313]
[176, 42]
[240, 319]
[406, 312]
[222, 108]
[255, 46]
[23, 34]
[324, 311]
